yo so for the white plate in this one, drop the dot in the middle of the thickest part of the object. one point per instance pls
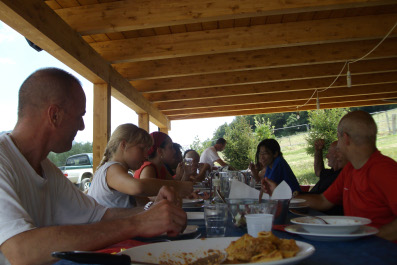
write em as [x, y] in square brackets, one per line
[190, 229]
[363, 231]
[190, 202]
[195, 215]
[295, 201]
[297, 206]
[337, 224]
[156, 252]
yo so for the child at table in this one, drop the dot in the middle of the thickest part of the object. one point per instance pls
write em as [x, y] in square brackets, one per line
[113, 185]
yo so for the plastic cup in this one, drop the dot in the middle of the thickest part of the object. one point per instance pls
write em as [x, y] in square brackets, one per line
[259, 222]
[215, 219]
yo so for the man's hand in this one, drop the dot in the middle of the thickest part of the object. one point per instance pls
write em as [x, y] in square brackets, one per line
[162, 217]
[169, 194]
[319, 144]
[268, 186]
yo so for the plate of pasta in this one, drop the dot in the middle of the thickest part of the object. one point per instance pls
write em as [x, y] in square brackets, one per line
[266, 249]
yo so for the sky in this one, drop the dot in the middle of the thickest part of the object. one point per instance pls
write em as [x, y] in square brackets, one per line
[18, 60]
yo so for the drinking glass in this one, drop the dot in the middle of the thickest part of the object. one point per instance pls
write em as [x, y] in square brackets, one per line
[215, 219]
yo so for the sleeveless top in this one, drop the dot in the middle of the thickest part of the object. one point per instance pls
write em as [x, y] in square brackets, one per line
[160, 174]
[105, 195]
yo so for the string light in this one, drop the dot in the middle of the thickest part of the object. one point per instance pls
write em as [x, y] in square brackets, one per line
[318, 101]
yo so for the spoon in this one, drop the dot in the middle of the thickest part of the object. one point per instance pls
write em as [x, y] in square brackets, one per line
[302, 214]
[224, 201]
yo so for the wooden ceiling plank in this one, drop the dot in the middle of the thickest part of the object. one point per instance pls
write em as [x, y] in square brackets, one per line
[263, 75]
[261, 59]
[240, 39]
[277, 97]
[282, 110]
[139, 14]
[162, 30]
[263, 106]
[58, 39]
[272, 87]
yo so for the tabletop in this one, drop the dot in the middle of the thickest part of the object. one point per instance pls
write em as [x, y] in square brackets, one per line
[366, 250]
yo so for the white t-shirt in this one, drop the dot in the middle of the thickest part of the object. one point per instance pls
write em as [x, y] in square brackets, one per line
[103, 194]
[209, 156]
[29, 201]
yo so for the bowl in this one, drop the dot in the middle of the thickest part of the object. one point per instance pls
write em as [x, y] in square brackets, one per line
[337, 224]
[238, 208]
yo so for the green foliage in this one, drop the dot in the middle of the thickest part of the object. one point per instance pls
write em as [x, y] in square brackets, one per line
[77, 148]
[281, 120]
[200, 146]
[239, 139]
[264, 129]
[220, 132]
[323, 125]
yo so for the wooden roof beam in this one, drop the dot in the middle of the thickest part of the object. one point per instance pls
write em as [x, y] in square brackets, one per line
[36, 21]
[282, 110]
[270, 105]
[277, 97]
[246, 38]
[183, 84]
[142, 14]
[272, 87]
[258, 59]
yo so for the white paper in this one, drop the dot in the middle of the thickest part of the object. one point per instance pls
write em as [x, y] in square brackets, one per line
[240, 190]
[282, 191]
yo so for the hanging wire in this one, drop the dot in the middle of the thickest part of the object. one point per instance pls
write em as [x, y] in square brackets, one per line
[348, 62]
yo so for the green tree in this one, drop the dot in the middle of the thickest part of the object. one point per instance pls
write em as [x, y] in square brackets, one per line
[77, 148]
[200, 146]
[220, 132]
[240, 142]
[323, 125]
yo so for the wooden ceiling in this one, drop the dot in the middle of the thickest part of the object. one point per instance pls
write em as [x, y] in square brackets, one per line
[200, 58]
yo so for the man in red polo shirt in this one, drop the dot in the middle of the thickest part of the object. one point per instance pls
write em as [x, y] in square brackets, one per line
[367, 184]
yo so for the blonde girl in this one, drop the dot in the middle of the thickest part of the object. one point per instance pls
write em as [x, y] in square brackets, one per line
[113, 185]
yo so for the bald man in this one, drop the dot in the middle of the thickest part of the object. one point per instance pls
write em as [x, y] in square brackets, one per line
[40, 210]
[335, 161]
[367, 184]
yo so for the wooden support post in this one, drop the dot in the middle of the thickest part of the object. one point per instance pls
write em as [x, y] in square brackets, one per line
[143, 121]
[102, 124]
[164, 130]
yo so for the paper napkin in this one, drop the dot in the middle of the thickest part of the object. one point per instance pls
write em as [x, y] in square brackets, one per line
[240, 190]
[282, 191]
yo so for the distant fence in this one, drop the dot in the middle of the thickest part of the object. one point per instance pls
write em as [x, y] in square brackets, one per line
[385, 120]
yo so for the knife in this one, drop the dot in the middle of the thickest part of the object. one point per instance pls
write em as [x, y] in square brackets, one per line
[89, 257]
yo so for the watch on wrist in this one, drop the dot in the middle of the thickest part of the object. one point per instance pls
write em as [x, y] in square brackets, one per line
[147, 205]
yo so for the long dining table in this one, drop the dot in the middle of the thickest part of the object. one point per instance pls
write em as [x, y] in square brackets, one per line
[365, 250]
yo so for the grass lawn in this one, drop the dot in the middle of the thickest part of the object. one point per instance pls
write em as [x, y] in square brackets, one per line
[293, 149]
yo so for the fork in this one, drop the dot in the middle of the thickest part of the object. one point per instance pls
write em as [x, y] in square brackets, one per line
[302, 214]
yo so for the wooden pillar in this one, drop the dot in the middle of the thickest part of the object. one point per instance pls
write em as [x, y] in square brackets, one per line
[102, 96]
[143, 121]
[164, 130]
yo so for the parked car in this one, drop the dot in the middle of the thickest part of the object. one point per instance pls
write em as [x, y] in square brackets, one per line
[78, 169]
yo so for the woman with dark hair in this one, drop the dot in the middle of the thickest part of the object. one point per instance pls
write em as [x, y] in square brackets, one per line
[162, 152]
[269, 156]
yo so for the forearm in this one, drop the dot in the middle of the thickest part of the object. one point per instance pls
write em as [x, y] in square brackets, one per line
[221, 162]
[318, 162]
[316, 201]
[19, 249]
[116, 213]
[389, 231]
